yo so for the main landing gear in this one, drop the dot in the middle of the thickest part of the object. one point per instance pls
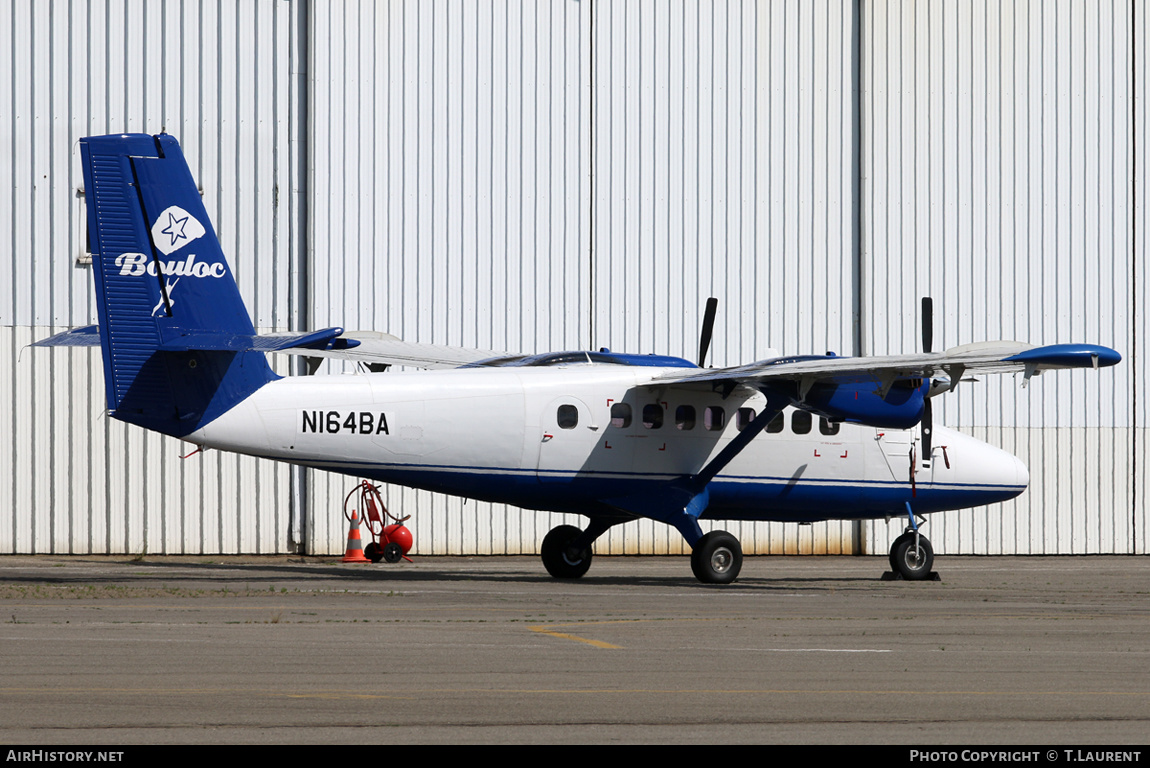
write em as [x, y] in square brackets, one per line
[716, 558]
[562, 556]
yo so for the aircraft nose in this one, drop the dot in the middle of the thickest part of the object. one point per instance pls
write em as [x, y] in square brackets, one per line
[999, 474]
[1005, 468]
[1021, 472]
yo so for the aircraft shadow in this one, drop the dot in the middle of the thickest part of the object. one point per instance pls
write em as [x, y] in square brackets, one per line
[234, 575]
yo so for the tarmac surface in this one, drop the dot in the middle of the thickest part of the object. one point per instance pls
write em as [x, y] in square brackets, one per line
[275, 650]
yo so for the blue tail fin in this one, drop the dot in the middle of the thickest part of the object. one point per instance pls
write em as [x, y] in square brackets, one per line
[168, 304]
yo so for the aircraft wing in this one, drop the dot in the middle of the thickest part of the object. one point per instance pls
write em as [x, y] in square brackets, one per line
[982, 357]
[371, 347]
[368, 347]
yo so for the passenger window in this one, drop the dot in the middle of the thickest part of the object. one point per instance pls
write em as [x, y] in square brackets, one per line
[568, 417]
[714, 418]
[828, 427]
[744, 418]
[652, 416]
[621, 415]
[801, 422]
[777, 423]
[685, 417]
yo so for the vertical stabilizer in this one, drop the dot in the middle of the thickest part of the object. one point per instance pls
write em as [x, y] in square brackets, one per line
[161, 279]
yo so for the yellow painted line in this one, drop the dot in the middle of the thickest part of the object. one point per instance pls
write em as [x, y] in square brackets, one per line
[565, 636]
[550, 630]
[350, 694]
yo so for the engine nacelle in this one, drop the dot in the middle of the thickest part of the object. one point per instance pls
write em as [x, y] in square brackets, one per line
[859, 403]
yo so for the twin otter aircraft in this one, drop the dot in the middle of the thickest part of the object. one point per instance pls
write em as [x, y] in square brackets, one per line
[612, 437]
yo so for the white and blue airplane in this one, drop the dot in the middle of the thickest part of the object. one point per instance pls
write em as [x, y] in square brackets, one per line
[609, 436]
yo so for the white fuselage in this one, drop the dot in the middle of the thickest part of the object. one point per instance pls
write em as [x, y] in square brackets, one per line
[559, 438]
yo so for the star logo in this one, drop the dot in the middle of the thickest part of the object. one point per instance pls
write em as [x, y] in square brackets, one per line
[174, 228]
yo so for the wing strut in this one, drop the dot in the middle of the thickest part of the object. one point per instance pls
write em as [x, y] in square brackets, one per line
[681, 502]
[776, 402]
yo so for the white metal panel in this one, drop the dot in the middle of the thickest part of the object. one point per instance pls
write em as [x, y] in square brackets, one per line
[997, 165]
[641, 125]
[1134, 139]
[721, 167]
[448, 183]
[572, 174]
[215, 77]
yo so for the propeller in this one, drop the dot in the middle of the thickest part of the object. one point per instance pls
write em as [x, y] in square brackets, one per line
[708, 329]
[927, 324]
[927, 344]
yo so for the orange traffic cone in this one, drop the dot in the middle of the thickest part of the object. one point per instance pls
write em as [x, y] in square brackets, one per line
[354, 553]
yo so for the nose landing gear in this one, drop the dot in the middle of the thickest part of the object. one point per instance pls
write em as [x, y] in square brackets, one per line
[911, 556]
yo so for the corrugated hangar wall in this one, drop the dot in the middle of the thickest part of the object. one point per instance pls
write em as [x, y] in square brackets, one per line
[999, 156]
[220, 78]
[581, 174]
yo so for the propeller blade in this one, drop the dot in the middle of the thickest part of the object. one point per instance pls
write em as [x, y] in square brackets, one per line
[927, 346]
[708, 329]
[927, 429]
[927, 324]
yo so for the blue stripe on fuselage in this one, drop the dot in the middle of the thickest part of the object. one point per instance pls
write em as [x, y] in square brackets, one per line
[780, 499]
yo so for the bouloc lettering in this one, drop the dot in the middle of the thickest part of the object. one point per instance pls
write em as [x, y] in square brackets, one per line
[335, 422]
[134, 264]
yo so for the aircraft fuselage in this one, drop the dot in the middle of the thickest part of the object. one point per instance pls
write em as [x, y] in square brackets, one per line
[567, 438]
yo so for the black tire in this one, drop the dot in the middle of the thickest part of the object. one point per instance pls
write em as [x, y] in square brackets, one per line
[913, 563]
[556, 559]
[894, 546]
[392, 552]
[373, 552]
[717, 558]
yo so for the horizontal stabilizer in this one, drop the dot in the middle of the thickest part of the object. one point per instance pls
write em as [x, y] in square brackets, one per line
[360, 346]
[327, 339]
[230, 342]
[86, 336]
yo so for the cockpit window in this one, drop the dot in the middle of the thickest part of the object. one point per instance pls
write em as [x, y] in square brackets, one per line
[568, 358]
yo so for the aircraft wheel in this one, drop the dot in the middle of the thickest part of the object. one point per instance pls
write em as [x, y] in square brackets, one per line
[894, 547]
[392, 553]
[717, 558]
[372, 552]
[914, 563]
[557, 560]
